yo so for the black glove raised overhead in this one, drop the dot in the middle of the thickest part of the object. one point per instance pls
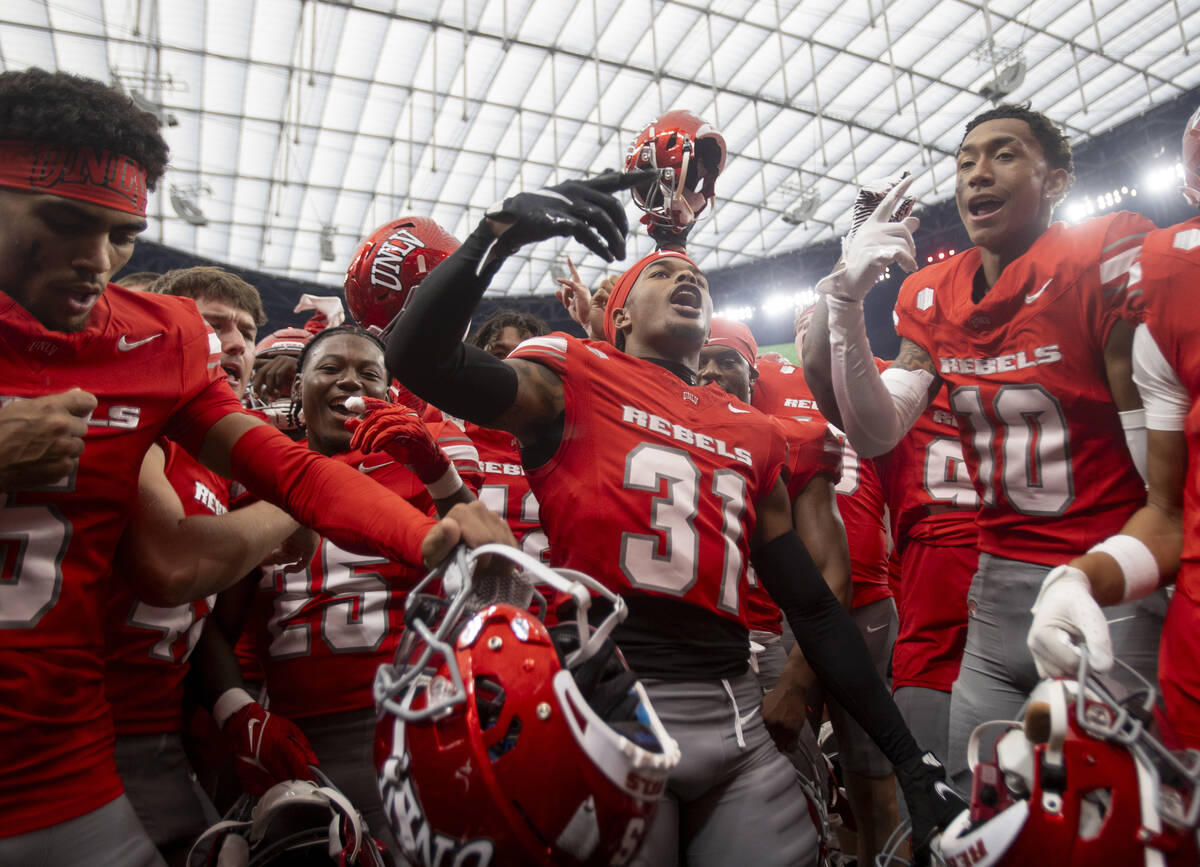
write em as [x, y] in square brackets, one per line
[584, 210]
[932, 802]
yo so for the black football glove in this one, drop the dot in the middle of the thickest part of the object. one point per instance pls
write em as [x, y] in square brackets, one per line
[584, 210]
[932, 803]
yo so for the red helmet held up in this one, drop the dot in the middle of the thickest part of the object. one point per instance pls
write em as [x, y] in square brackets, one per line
[504, 742]
[689, 154]
[389, 264]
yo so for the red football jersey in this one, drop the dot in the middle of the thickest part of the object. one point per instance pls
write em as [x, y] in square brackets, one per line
[782, 392]
[812, 450]
[652, 489]
[932, 503]
[505, 490]
[1025, 373]
[151, 362]
[1162, 295]
[329, 628]
[926, 485]
[149, 646]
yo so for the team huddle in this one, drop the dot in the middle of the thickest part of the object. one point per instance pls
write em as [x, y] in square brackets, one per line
[415, 588]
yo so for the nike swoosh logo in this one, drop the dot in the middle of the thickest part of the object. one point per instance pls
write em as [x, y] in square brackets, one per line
[1029, 299]
[733, 408]
[877, 628]
[363, 468]
[124, 344]
[745, 719]
[250, 731]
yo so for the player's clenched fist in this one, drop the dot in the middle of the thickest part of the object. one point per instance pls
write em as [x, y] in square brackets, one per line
[41, 439]
[472, 524]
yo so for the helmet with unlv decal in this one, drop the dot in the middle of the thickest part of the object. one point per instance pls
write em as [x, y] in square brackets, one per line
[1081, 783]
[389, 264]
[1191, 158]
[504, 742]
[688, 154]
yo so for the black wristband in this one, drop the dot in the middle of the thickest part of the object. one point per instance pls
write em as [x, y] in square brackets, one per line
[832, 644]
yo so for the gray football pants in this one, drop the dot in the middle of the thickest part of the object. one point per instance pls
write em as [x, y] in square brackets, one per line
[162, 788]
[998, 671]
[733, 798]
[345, 745]
[110, 835]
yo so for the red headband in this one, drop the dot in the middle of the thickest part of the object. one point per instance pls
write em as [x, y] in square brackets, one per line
[736, 336]
[620, 292]
[101, 177]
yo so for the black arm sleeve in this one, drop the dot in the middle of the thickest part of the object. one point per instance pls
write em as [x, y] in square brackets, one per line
[425, 349]
[832, 644]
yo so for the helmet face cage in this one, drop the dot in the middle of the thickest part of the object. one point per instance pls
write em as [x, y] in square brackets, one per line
[279, 412]
[389, 265]
[688, 155]
[482, 696]
[1081, 781]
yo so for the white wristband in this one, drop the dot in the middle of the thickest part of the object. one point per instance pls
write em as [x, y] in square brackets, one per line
[231, 701]
[446, 486]
[1138, 565]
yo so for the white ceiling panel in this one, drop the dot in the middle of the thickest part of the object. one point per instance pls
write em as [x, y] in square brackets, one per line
[287, 116]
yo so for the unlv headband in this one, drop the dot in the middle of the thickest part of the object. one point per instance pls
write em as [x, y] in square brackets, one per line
[100, 177]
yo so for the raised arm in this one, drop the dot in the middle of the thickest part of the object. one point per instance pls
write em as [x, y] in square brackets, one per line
[425, 350]
[876, 410]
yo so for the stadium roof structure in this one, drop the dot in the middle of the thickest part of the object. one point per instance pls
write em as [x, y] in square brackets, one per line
[297, 126]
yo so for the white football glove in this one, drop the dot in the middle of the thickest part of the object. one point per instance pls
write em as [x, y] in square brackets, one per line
[877, 243]
[1065, 615]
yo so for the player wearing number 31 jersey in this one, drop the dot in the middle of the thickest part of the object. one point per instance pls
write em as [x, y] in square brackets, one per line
[660, 488]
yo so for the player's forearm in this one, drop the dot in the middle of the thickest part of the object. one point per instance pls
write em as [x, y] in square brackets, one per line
[179, 562]
[818, 374]
[824, 535]
[214, 667]
[876, 412]
[831, 644]
[1160, 530]
[425, 349]
[797, 675]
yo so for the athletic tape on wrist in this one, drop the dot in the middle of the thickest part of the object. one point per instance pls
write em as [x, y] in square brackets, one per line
[231, 701]
[446, 486]
[1138, 565]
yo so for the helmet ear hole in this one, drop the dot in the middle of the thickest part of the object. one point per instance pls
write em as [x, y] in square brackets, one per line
[489, 701]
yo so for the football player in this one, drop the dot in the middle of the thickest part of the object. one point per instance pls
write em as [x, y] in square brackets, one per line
[783, 392]
[326, 629]
[149, 646]
[932, 506]
[92, 375]
[1163, 537]
[663, 490]
[1024, 332]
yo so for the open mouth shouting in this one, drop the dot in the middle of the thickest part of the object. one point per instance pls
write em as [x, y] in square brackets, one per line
[686, 299]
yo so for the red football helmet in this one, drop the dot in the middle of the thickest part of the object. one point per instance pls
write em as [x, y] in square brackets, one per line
[1080, 784]
[488, 750]
[1191, 158]
[688, 154]
[389, 264]
[285, 341]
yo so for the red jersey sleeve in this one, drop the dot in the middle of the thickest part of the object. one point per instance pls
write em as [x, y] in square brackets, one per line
[1119, 250]
[461, 451]
[812, 450]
